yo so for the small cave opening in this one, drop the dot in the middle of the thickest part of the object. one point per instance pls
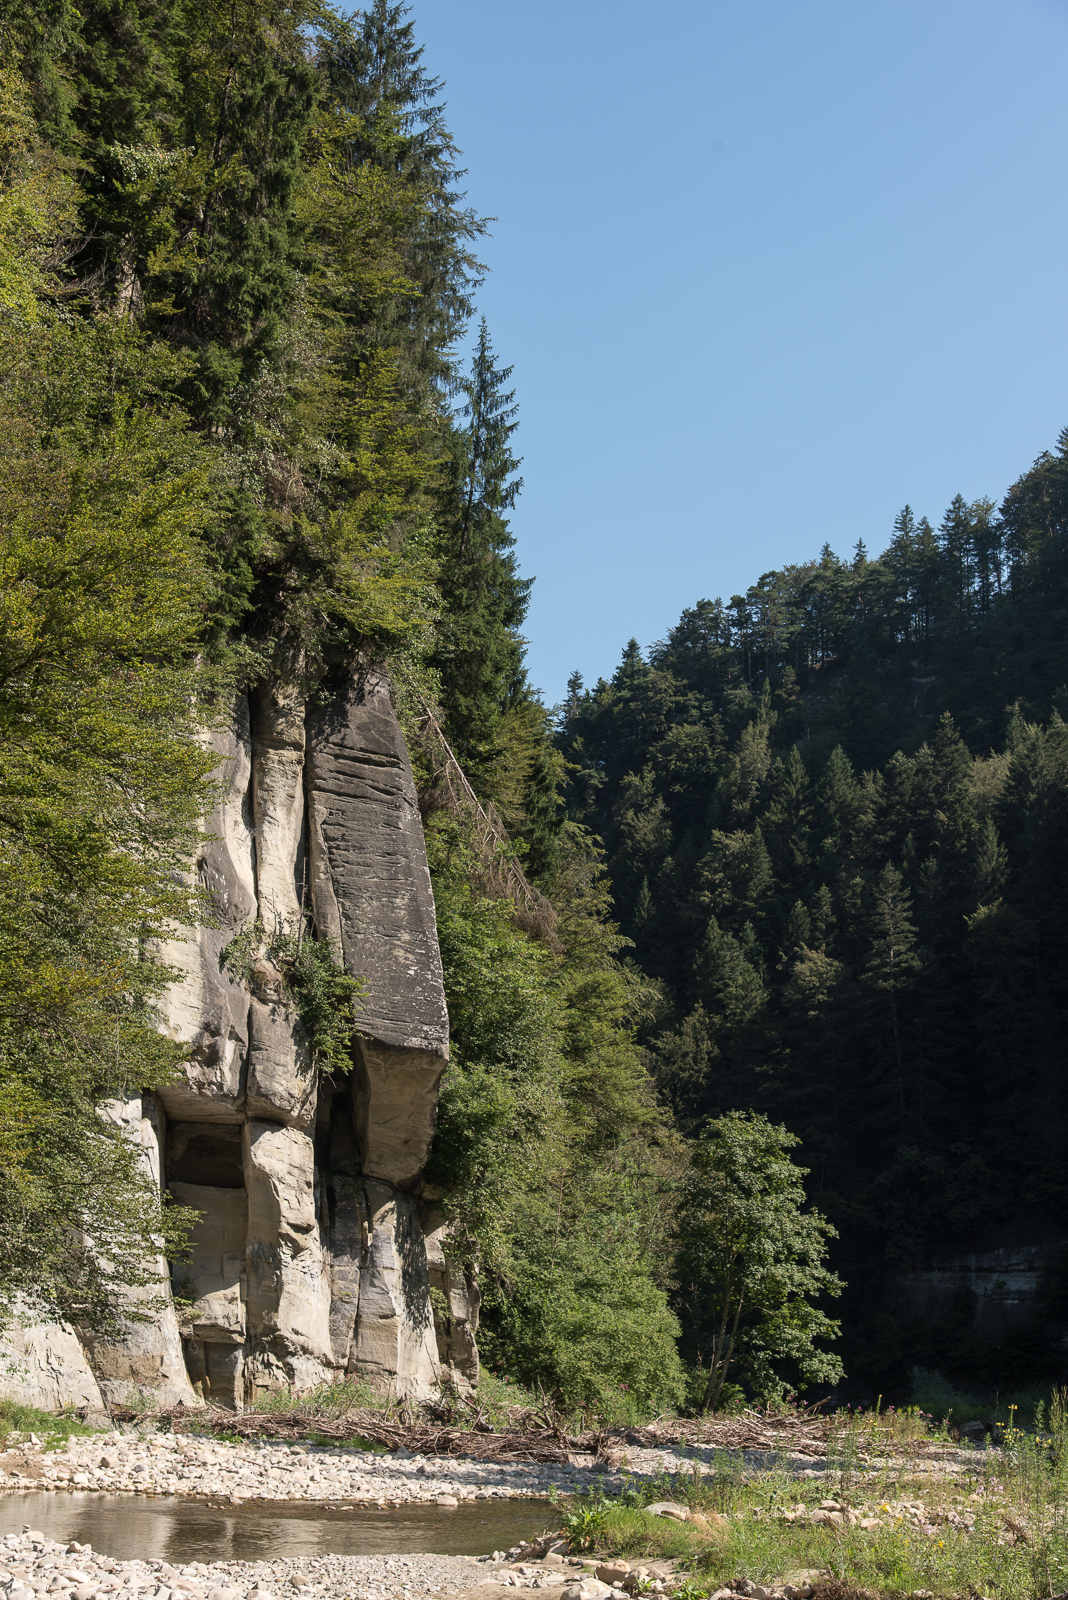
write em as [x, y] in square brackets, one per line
[206, 1154]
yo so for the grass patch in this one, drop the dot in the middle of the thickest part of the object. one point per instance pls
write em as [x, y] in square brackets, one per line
[974, 1523]
[54, 1428]
[327, 1400]
[942, 1402]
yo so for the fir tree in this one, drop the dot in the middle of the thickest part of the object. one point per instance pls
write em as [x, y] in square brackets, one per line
[479, 649]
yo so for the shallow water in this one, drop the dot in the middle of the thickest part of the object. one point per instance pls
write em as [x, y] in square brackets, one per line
[131, 1527]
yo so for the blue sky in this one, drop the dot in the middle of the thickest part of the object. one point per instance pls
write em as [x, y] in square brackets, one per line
[766, 270]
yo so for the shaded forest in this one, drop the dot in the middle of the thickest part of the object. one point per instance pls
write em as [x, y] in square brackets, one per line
[835, 812]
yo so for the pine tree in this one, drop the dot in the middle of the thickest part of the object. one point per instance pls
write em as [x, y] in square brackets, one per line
[373, 70]
[478, 650]
[890, 973]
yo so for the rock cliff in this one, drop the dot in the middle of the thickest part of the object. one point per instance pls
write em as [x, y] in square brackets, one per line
[313, 1257]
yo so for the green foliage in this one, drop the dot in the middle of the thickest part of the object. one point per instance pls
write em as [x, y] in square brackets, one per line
[852, 901]
[547, 1147]
[36, 204]
[103, 498]
[584, 1521]
[750, 1260]
[309, 977]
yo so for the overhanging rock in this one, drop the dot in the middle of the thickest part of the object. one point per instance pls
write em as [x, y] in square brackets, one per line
[372, 897]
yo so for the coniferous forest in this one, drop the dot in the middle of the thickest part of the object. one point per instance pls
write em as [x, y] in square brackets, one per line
[786, 979]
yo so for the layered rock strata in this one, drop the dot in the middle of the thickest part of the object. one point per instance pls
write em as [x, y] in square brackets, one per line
[310, 1259]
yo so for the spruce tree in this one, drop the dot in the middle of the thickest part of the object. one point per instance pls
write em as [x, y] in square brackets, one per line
[372, 67]
[479, 650]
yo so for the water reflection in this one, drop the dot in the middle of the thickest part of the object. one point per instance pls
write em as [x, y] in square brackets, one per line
[130, 1527]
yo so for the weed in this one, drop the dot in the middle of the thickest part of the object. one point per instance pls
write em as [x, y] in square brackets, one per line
[54, 1428]
[586, 1519]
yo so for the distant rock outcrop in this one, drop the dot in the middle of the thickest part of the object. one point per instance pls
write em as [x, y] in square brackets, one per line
[311, 1257]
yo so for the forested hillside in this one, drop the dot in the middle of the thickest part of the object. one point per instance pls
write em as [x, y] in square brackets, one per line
[801, 861]
[240, 445]
[835, 815]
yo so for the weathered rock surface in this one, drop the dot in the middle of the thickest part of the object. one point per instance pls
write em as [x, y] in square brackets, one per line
[457, 1326]
[43, 1364]
[372, 896]
[370, 878]
[147, 1358]
[204, 1008]
[278, 801]
[215, 1278]
[281, 1078]
[395, 1339]
[304, 1266]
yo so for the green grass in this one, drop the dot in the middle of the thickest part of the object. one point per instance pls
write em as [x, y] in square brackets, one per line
[333, 1400]
[53, 1427]
[939, 1399]
[1016, 1501]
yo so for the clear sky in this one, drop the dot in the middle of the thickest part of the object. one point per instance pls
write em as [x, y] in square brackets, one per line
[766, 270]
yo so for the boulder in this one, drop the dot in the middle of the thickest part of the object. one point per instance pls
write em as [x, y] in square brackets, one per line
[668, 1508]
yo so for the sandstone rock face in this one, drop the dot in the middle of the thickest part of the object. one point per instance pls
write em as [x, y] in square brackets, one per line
[205, 1009]
[457, 1304]
[43, 1364]
[370, 879]
[146, 1361]
[278, 801]
[395, 1342]
[281, 1079]
[310, 1260]
[371, 892]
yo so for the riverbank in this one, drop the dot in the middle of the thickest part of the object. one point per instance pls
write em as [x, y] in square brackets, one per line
[31, 1565]
[265, 1470]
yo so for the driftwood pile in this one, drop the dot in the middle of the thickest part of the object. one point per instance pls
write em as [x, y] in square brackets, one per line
[523, 1442]
[802, 1433]
[530, 1436]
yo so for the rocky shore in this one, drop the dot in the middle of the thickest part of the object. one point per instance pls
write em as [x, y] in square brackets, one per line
[189, 1464]
[218, 1469]
[31, 1565]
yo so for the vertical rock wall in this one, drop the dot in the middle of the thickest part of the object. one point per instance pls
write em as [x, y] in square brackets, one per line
[310, 1260]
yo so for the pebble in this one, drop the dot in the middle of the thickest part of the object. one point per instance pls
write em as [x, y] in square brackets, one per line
[200, 1466]
[31, 1565]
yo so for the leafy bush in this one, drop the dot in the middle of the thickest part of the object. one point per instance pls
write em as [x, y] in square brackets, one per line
[315, 983]
[547, 1147]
